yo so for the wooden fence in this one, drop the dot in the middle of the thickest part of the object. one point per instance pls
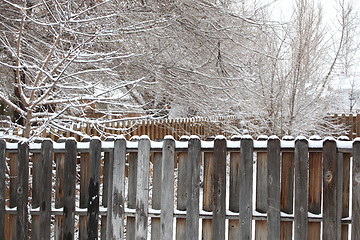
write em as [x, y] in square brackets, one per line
[188, 189]
[336, 125]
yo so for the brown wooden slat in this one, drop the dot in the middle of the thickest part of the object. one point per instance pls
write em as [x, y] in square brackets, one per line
[208, 201]
[156, 194]
[234, 187]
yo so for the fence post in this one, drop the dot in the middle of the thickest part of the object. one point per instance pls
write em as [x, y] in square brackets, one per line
[219, 211]
[22, 191]
[355, 228]
[94, 187]
[193, 188]
[246, 187]
[116, 188]
[2, 187]
[301, 189]
[332, 220]
[69, 188]
[273, 213]
[46, 187]
[142, 188]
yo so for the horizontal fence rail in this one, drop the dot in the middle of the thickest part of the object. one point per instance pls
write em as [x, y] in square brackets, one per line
[188, 189]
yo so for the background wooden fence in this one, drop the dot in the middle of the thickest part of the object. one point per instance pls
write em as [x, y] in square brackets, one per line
[141, 189]
[336, 125]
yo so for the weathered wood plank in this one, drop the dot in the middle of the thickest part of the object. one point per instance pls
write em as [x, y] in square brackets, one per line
[331, 220]
[22, 191]
[355, 228]
[167, 188]
[246, 188]
[142, 188]
[301, 189]
[2, 187]
[273, 213]
[69, 188]
[234, 187]
[46, 187]
[156, 195]
[193, 188]
[94, 187]
[116, 187]
[219, 211]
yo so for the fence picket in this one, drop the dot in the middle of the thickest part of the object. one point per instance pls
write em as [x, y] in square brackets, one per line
[94, 187]
[193, 188]
[167, 189]
[142, 188]
[330, 182]
[273, 212]
[22, 191]
[11, 233]
[69, 188]
[116, 186]
[301, 189]
[59, 191]
[246, 188]
[2, 187]
[219, 210]
[355, 228]
[46, 186]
